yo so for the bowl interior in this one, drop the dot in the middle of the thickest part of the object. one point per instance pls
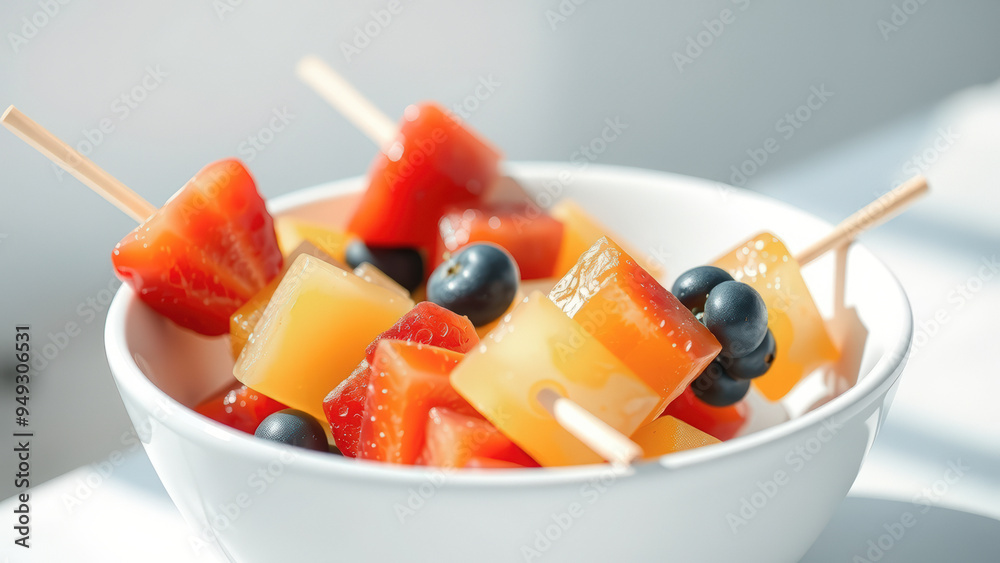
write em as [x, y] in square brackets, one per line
[678, 221]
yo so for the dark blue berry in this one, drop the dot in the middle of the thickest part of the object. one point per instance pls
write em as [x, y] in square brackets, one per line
[295, 428]
[404, 265]
[692, 287]
[754, 364]
[737, 316]
[480, 282]
[715, 387]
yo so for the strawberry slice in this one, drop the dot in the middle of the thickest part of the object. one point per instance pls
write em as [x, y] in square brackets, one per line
[437, 163]
[205, 253]
[532, 237]
[426, 323]
[344, 408]
[454, 440]
[239, 407]
[720, 422]
[407, 381]
[431, 324]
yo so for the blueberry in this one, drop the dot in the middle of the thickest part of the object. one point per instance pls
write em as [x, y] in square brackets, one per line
[737, 316]
[404, 265]
[480, 282]
[692, 287]
[717, 388]
[754, 364]
[295, 428]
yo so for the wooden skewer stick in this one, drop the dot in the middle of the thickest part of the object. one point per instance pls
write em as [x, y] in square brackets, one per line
[586, 427]
[343, 96]
[81, 167]
[607, 442]
[870, 215]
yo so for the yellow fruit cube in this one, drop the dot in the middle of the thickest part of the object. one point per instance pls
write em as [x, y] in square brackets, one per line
[314, 332]
[538, 348]
[667, 435]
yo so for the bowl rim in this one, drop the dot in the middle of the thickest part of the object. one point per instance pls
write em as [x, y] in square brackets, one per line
[136, 387]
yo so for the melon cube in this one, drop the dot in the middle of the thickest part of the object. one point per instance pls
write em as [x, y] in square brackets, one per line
[313, 333]
[667, 435]
[637, 319]
[799, 331]
[540, 348]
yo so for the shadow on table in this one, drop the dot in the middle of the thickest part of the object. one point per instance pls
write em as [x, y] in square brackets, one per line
[866, 530]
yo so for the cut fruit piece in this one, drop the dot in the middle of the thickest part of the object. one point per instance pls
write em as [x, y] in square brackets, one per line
[344, 408]
[539, 347]
[426, 323]
[667, 435]
[527, 233]
[581, 232]
[239, 407]
[431, 324]
[371, 274]
[435, 164]
[313, 333]
[242, 322]
[207, 251]
[526, 288]
[723, 423]
[407, 380]
[803, 343]
[293, 232]
[453, 439]
[637, 319]
[487, 463]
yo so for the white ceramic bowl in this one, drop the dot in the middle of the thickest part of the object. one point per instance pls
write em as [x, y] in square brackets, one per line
[763, 497]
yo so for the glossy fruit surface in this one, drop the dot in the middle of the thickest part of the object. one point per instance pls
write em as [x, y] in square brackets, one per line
[692, 287]
[803, 343]
[295, 428]
[313, 333]
[207, 251]
[435, 164]
[540, 348]
[754, 364]
[722, 422]
[717, 388]
[426, 323]
[479, 282]
[243, 321]
[407, 380]
[344, 408]
[632, 315]
[737, 316]
[532, 237]
[667, 435]
[453, 439]
[239, 407]
[404, 265]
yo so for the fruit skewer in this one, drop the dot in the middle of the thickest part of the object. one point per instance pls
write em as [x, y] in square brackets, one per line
[607, 442]
[198, 258]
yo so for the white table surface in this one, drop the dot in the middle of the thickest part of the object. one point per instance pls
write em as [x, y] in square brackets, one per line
[944, 411]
